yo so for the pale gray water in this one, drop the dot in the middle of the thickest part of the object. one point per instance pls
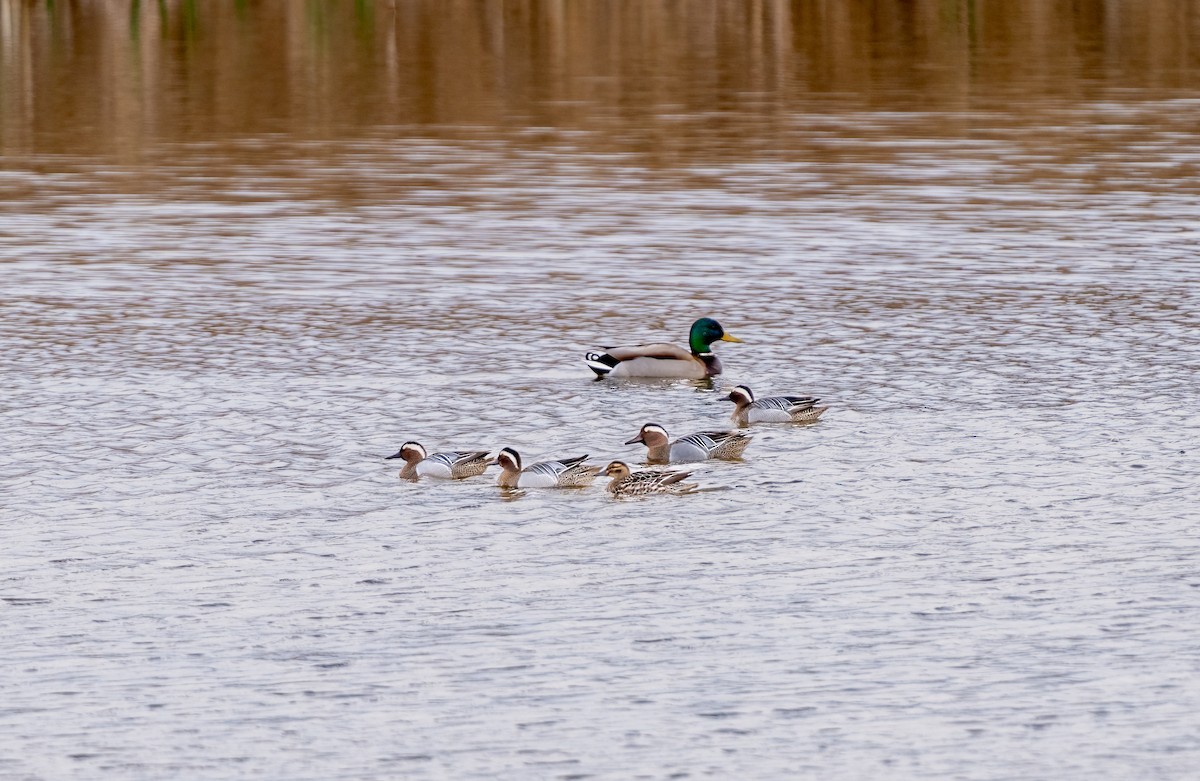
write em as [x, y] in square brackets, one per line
[981, 564]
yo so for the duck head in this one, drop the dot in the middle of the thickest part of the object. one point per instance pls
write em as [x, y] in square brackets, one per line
[412, 452]
[617, 469]
[741, 396]
[704, 332]
[651, 435]
[508, 459]
[510, 467]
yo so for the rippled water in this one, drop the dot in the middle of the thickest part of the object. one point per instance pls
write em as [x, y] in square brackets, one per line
[981, 563]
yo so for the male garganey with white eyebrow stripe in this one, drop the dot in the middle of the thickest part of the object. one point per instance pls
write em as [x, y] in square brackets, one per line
[774, 409]
[563, 473]
[448, 465]
[700, 446]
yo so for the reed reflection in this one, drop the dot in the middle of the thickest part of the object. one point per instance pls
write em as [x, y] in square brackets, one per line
[80, 77]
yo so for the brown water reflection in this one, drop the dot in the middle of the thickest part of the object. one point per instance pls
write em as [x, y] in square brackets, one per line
[83, 77]
[248, 248]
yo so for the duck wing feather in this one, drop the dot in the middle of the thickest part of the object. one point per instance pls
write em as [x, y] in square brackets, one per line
[725, 444]
[660, 350]
[786, 403]
[656, 482]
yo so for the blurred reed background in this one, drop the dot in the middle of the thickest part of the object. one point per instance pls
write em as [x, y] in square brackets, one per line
[117, 76]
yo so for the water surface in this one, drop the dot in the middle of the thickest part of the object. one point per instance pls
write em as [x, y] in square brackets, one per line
[242, 265]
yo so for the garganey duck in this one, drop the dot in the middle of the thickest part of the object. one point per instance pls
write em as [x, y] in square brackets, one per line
[665, 360]
[441, 465]
[563, 473]
[774, 409]
[700, 446]
[627, 483]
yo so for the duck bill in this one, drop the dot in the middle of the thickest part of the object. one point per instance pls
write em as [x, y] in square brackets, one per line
[730, 338]
[635, 440]
[394, 455]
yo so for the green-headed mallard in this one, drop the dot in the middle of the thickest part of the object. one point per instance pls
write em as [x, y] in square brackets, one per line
[700, 446]
[627, 483]
[774, 409]
[563, 473]
[665, 360]
[446, 465]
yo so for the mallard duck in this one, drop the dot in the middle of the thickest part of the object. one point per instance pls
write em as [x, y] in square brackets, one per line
[665, 360]
[774, 409]
[441, 465]
[564, 473]
[627, 483]
[700, 446]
